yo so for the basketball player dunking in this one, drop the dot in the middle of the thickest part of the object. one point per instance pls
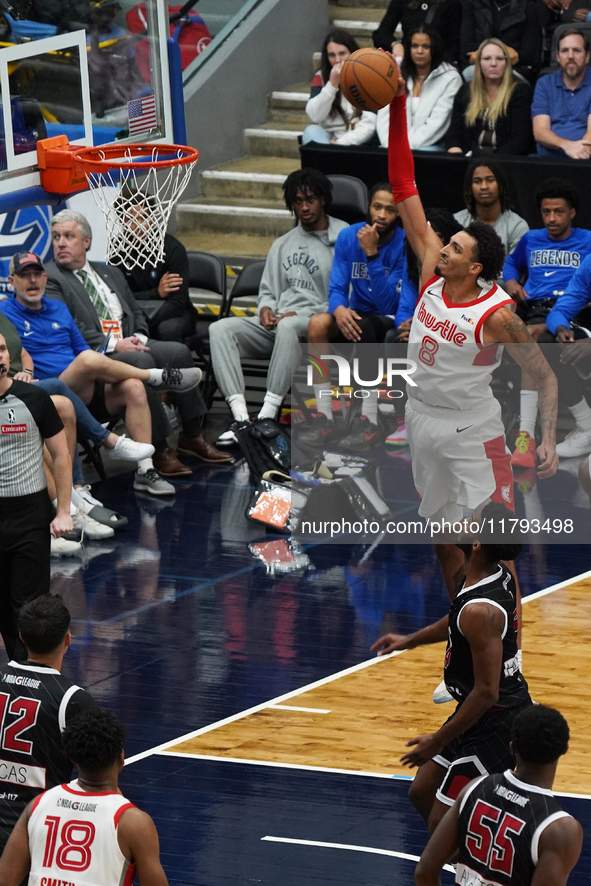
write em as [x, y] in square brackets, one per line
[455, 432]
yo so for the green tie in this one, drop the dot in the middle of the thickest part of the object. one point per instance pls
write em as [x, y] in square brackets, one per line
[95, 296]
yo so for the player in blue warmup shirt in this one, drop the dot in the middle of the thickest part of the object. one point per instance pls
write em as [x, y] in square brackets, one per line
[363, 296]
[536, 274]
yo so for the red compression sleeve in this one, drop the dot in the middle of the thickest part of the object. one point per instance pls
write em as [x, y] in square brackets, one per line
[401, 165]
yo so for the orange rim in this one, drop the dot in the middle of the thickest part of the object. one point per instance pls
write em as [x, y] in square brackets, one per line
[106, 157]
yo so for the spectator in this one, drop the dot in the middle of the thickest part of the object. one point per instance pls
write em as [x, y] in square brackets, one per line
[162, 291]
[561, 107]
[486, 194]
[362, 298]
[445, 16]
[432, 84]
[536, 274]
[515, 22]
[293, 287]
[335, 120]
[491, 113]
[26, 519]
[89, 288]
[564, 325]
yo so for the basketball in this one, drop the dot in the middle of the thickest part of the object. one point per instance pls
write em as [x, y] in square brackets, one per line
[369, 79]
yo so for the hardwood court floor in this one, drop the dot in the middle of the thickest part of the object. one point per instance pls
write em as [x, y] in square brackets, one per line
[361, 720]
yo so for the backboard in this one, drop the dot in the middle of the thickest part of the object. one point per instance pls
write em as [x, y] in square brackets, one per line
[94, 71]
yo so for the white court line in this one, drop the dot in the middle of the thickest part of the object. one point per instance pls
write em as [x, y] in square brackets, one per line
[272, 763]
[323, 682]
[261, 707]
[373, 850]
[289, 707]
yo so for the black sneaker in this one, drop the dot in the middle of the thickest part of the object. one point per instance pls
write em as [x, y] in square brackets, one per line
[318, 434]
[363, 436]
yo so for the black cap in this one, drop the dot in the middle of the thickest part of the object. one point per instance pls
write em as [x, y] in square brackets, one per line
[23, 260]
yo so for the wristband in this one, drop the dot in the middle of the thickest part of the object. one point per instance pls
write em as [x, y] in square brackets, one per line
[369, 258]
[29, 371]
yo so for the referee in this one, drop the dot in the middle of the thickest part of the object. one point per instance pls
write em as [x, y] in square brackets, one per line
[28, 418]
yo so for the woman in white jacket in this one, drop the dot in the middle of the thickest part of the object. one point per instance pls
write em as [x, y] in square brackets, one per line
[431, 85]
[335, 120]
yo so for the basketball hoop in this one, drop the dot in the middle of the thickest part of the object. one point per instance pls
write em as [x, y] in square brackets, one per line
[136, 187]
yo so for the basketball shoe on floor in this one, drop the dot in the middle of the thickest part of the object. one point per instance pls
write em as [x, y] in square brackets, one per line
[397, 438]
[321, 431]
[152, 483]
[577, 443]
[441, 695]
[91, 529]
[524, 454]
[61, 547]
[363, 436]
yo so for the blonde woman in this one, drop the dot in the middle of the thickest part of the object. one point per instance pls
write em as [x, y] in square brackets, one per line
[491, 113]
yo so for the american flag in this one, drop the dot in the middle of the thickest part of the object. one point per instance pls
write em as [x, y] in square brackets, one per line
[142, 114]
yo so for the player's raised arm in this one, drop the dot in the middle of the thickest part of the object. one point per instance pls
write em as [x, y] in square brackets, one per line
[401, 170]
[506, 327]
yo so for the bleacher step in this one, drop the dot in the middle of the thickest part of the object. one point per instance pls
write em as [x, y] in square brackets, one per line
[239, 219]
[255, 185]
[272, 142]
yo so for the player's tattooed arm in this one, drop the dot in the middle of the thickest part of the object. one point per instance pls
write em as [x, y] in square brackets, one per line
[506, 327]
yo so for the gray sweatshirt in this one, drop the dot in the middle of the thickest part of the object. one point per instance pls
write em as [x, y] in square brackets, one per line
[297, 271]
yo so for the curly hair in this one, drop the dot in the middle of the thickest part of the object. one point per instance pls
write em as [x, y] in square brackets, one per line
[558, 189]
[488, 250]
[492, 517]
[43, 623]
[540, 734]
[501, 178]
[311, 180]
[94, 739]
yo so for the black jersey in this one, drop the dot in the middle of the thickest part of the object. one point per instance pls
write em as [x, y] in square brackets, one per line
[500, 824]
[36, 703]
[498, 590]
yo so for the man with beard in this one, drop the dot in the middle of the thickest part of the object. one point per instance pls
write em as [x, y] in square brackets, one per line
[482, 673]
[561, 107]
[362, 298]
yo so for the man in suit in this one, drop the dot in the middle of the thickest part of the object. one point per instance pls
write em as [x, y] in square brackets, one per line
[102, 303]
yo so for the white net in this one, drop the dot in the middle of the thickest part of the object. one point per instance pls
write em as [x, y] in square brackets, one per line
[137, 204]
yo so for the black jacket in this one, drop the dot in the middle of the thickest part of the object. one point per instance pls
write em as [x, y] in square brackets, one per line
[514, 133]
[519, 27]
[446, 18]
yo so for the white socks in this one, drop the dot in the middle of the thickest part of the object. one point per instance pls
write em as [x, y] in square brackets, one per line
[369, 407]
[271, 405]
[582, 415]
[155, 376]
[528, 412]
[145, 465]
[79, 502]
[237, 404]
[323, 401]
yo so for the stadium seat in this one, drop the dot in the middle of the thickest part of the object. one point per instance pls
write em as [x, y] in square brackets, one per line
[349, 198]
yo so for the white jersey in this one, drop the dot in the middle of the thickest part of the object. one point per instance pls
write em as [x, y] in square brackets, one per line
[454, 367]
[73, 839]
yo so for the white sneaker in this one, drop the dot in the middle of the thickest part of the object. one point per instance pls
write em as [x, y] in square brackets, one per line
[61, 547]
[441, 695]
[228, 438]
[178, 380]
[127, 449]
[577, 443]
[90, 528]
[153, 483]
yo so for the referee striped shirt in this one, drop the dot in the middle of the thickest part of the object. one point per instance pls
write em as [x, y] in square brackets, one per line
[27, 418]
